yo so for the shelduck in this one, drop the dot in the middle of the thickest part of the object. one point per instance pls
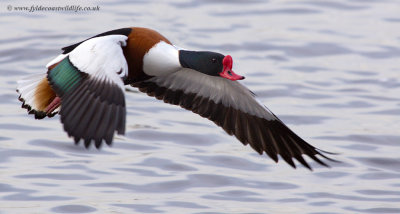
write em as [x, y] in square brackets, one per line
[86, 85]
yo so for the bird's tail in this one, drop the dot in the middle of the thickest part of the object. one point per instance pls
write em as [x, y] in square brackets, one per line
[37, 96]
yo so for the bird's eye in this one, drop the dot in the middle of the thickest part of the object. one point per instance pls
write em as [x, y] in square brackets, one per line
[213, 60]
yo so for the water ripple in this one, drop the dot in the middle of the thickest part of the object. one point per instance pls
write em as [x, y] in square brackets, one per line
[73, 209]
[329, 69]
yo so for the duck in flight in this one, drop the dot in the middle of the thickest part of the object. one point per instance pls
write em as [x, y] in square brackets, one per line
[86, 85]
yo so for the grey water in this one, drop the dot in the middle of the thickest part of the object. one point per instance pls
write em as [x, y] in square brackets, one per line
[329, 69]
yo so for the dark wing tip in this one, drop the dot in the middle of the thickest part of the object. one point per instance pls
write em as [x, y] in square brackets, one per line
[87, 143]
[303, 162]
[93, 112]
[319, 157]
[269, 136]
[322, 154]
[275, 138]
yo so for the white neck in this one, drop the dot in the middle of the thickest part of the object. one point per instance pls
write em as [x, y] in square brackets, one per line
[161, 59]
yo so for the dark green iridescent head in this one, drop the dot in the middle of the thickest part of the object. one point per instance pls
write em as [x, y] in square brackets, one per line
[210, 63]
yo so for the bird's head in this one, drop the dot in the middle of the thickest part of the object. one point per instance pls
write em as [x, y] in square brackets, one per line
[210, 63]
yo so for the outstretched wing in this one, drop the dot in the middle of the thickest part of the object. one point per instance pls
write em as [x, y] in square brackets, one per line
[89, 82]
[233, 107]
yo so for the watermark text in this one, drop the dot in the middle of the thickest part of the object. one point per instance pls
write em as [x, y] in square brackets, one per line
[41, 8]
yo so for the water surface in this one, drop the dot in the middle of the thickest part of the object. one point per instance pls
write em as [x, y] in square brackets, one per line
[328, 69]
